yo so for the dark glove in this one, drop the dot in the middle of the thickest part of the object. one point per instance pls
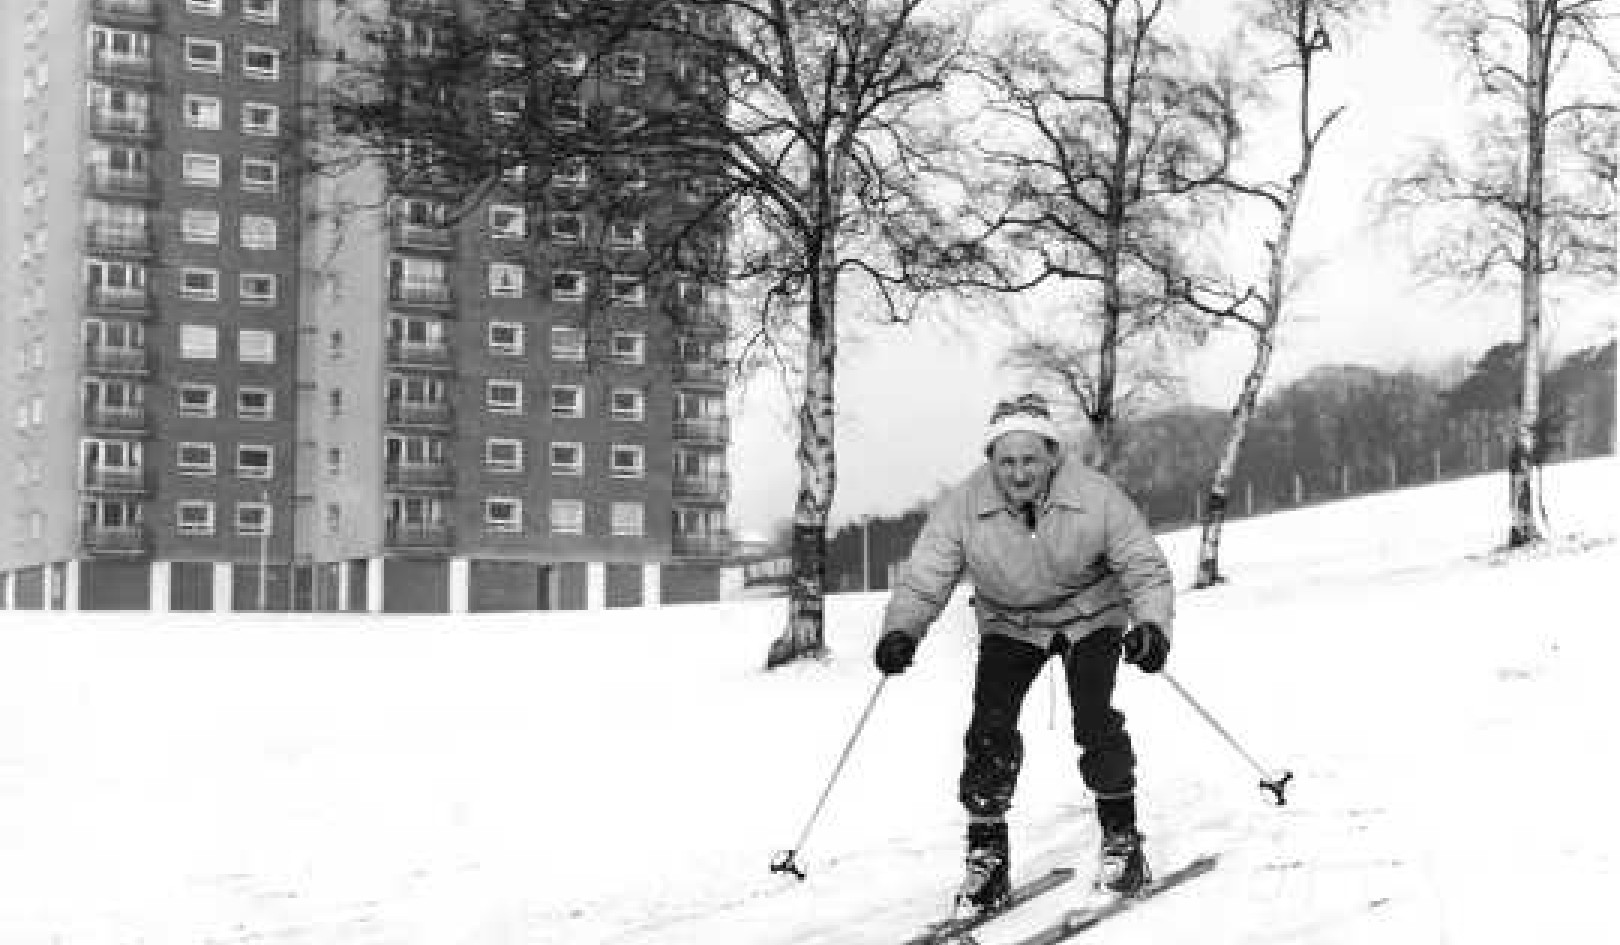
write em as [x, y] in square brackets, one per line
[1147, 646]
[894, 652]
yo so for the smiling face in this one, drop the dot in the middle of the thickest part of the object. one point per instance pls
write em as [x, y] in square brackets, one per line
[1022, 464]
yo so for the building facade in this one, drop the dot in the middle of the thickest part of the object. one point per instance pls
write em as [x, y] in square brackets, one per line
[236, 386]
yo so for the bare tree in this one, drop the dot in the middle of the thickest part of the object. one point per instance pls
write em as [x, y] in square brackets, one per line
[1103, 137]
[794, 131]
[1531, 196]
[1291, 34]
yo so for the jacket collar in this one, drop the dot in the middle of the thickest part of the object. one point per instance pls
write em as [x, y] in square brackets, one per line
[1066, 491]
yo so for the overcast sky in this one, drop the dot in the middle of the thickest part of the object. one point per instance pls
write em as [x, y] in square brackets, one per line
[912, 402]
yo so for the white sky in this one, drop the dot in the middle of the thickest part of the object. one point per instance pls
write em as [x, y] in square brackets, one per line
[913, 401]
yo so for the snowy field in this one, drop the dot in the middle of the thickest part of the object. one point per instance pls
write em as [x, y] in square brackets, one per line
[625, 777]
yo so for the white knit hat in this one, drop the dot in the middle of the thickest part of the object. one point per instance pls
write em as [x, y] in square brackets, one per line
[1025, 414]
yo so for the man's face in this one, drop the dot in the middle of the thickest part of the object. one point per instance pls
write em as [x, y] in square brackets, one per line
[1023, 464]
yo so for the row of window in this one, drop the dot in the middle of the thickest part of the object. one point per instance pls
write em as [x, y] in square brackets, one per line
[414, 277]
[123, 110]
[197, 459]
[255, 231]
[208, 55]
[506, 455]
[206, 113]
[567, 401]
[267, 12]
[195, 517]
[508, 221]
[117, 164]
[506, 514]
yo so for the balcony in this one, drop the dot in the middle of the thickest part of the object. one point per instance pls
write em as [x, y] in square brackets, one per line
[419, 354]
[123, 479]
[115, 539]
[710, 487]
[419, 536]
[136, 126]
[123, 185]
[710, 545]
[125, 12]
[118, 240]
[131, 418]
[122, 67]
[433, 295]
[423, 236]
[132, 301]
[419, 476]
[713, 431]
[708, 373]
[409, 413]
[104, 359]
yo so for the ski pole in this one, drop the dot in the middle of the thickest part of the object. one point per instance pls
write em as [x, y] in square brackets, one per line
[785, 861]
[1275, 782]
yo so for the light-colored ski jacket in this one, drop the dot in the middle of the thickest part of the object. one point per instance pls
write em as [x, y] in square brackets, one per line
[1090, 563]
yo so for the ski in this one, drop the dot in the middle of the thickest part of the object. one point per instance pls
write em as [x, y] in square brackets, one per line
[944, 931]
[1076, 921]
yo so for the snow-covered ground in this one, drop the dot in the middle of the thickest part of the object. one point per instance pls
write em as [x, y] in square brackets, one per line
[626, 777]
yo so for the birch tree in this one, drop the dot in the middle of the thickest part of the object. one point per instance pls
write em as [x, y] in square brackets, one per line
[1292, 34]
[1102, 137]
[1530, 198]
[795, 129]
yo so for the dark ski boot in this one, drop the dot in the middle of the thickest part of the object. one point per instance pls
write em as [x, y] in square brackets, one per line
[1123, 868]
[987, 885]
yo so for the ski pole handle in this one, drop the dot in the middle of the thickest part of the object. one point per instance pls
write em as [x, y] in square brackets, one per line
[1275, 782]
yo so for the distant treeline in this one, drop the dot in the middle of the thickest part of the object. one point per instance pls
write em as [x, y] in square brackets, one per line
[1340, 430]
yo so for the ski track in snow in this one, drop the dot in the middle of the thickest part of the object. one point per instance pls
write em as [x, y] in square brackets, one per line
[624, 778]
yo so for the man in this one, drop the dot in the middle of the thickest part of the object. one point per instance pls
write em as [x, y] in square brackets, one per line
[1062, 564]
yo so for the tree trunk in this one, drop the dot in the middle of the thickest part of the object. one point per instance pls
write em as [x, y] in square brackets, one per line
[1524, 528]
[1209, 544]
[805, 635]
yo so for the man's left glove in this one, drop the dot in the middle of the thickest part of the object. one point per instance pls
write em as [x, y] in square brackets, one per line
[894, 652]
[1147, 646]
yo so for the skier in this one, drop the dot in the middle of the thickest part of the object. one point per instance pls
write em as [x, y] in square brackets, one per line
[1062, 564]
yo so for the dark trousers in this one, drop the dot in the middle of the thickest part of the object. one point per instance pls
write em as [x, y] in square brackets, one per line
[994, 748]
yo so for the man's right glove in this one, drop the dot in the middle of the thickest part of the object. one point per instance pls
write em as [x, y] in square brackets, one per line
[894, 652]
[1146, 645]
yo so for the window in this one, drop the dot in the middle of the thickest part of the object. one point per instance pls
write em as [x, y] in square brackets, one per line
[199, 342]
[203, 112]
[567, 517]
[207, 7]
[261, 11]
[627, 462]
[252, 518]
[505, 107]
[197, 400]
[254, 403]
[503, 515]
[630, 68]
[629, 347]
[334, 461]
[203, 55]
[567, 401]
[503, 455]
[334, 399]
[567, 343]
[254, 462]
[256, 288]
[628, 291]
[503, 396]
[570, 61]
[567, 459]
[507, 222]
[567, 227]
[628, 404]
[334, 517]
[626, 234]
[194, 518]
[505, 281]
[261, 62]
[568, 112]
[258, 232]
[571, 172]
[256, 347]
[260, 175]
[200, 170]
[626, 120]
[199, 226]
[628, 519]
[195, 459]
[630, 175]
[260, 119]
[567, 286]
[506, 338]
